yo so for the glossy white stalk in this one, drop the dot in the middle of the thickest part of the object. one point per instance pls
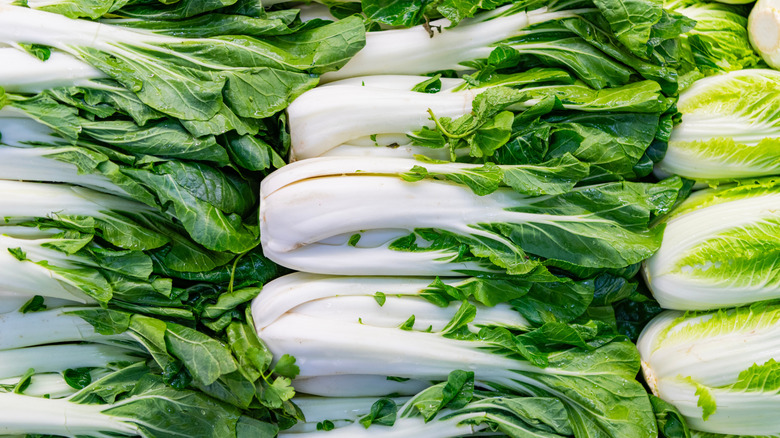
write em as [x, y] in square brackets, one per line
[351, 298]
[362, 112]
[40, 164]
[416, 51]
[25, 73]
[47, 327]
[58, 358]
[356, 385]
[21, 414]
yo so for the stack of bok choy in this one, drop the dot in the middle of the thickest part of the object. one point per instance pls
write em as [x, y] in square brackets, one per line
[468, 198]
[133, 136]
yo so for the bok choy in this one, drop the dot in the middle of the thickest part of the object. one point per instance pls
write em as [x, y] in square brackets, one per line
[590, 39]
[396, 217]
[423, 329]
[191, 78]
[126, 402]
[205, 346]
[618, 131]
[448, 409]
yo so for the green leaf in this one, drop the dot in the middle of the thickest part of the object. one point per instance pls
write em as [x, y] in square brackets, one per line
[671, 424]
[432, 85]
[35, 304]
[253, 356]
[408, 324]
[632, 22]
[706, 399]
[354, 239]
[18, 254]
[206, 358]
[24, 382]
[383, 412]
[286, 367]
[275, 394]
[105, 321]
[77, 378]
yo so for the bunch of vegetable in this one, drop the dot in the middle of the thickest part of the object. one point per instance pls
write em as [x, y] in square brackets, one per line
[716, 362]
[132, 148]
[508, 187]
[485, 167]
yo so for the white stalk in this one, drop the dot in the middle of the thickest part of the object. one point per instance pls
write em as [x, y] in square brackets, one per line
[11, 301]
[316, 409]
[313, 210]
[316, 216]
[52, 385]
[19, 131]
[28, 74]
[403, 428]
[352, 298]
[21, 414]
[20, 24]
[27, 278]
[356, 166]
[58, 358]
[339, 348]
[364, 111]
[356, 385]
[343, 259]
[47, 327]
[395, 82]
[386, 146]
[415, 51]
[36, 164]
[20, 200]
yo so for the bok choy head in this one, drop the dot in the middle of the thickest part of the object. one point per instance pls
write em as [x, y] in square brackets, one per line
[402, 329]
[523, 118]
[447, 409]
[590, 39]
[192, 78]
[401, 217]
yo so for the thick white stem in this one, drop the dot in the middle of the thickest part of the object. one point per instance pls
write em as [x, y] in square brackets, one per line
[416, 51]
[26, 278]
[332, 297]
[21, 414]
[51, 385]
[19, 200]
[24, 25]
[58, 358]
[338, 348]
[326, 117]
[403, 428]
[47, 327]
[38, 164]
[24, 73]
